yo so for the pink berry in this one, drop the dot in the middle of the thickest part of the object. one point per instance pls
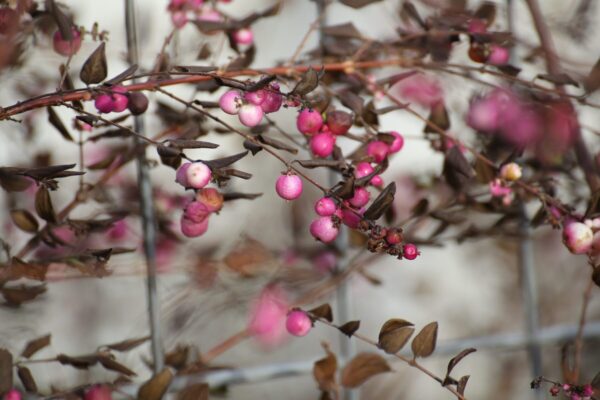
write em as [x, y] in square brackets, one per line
[410, 251]
[230, 102]
[324, 229]
[363, 169]
[118, 230]
[298, 323]
[176, 5]
[325, 206]
[250, 115]
[289, 186]
[209, 15]
[198, 175]
[498, 55]
[243, 36]
[378, 150]
[361, 197]
[325, 262]
[273, 99]
[98, 392]
[268, 315]
[484, 115]
[257, 98]
[179, 19]
[351, 218]
[587, 391]
[309, 121]
[196, 212]
[322, 144]
[211, 198]
[398, 142]
[67, 47]
[577, 237]
[193, 229]
[120, 102]
[13, 394]
[339, 122]
[181, 175]
[393, 236]
[377, 181]
[104, 103]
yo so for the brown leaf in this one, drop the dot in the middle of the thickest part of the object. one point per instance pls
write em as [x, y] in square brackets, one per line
[394, 334]
[192, 144]
[111, 364]
[130, 71]
[24, 220]
[79, 362]
[484, 172]
[592, 81]
[323, 311]
[225, 161]
[462, 384]
[352, 101]
[128, 344]
[324, 371]
[308, 83]
[27, 379]
[310, 164]
[6, 371]
[33, 346]
[349, 328]
[16, 295]
[178, 358]
[156, 387]
[456, 359]
[439, 117]
[43, 205]
[362, 367]
[237, 196]
[596, 382]
[347, 30]
[198, 391]
[277, 144]
[381, 203]
[56, 122]
[559, 79]
[420, 208]
[424, 343]
[13, 182]
[457, 169]
[358, 3]
[248, 258]
[94, 70]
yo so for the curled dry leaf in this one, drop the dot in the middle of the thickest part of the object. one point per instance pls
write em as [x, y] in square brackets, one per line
[17, 295]
[24, 220]
[308, 83]
[156, 387]
[36, 345]
[323, 311]
[424, 343]
[324, 371]
[56, 122]
[349, 328]
[128, 344]
[456, 359]
[362, 367]
[394, 334]
[381, 203]
[198, 391]
[6, 370]
[43, 205]
[27, 379]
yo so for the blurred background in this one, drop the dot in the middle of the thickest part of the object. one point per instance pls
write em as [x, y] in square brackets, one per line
[473, 289]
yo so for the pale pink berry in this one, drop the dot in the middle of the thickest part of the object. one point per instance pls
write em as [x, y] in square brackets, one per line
[361, 197]
[363, 169]
[13, 394]
[309, 121]
[298, 323]
[67, 47]
[325, 262]
[322, 144]
[273, 99]
[289, 186]
[181, 175]
[198, 175]
[120, 102]
[398, 142]
[243, 36]
[377, 181]
[196, 211]
[484, 115]
[250, 115]
[179, 19]
[378, 150]
[98, 392]
[498, 55]
[268, 314]
[192, 228]
[325, 206]
[410, 251]
[230, 102]
[511, 172]
[257, 98]
[324, 229]
[104, 103]
[211, 198]
[577, 237]
[339, 122]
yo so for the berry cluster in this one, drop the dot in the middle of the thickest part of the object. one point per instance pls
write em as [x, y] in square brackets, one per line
[584, 392]
[118, 100]
[250, 107]
[389, 240]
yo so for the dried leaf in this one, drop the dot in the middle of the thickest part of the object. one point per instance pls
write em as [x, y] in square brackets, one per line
[352, 101]
[424, 343]
[324, 371]
[394, 334]
[252, 146]
[347, 30]
[36, 345]
[484, 172]
[237, 196]
[462, 384]
[439, 117]
[596, 382]
[277, 144]
[455, 360]
[16, 295]
[192, 144]
[362, 367]
[559, 79]
[308, 83]
[199, 391]
[420, 208]
[358, 3]
[27, 379]
[56, 122]
[156, 387]
[225, 161]
[381, 203]
[24, 220]
[109, 363]
[248, 258]
[43, 205]
[62, 21]
[457, 169]
[592, 81]
[94, 70]
[13, 182]
[128, 344]
[6, 371]
[310, 164]
[349, 328]
[178, 358]
[596, 276]
[323, 311]
[122, 76]
[79, 362]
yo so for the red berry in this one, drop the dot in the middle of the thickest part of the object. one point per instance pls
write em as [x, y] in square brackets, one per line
[67, 47]
[410, 251]
[393, 236]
